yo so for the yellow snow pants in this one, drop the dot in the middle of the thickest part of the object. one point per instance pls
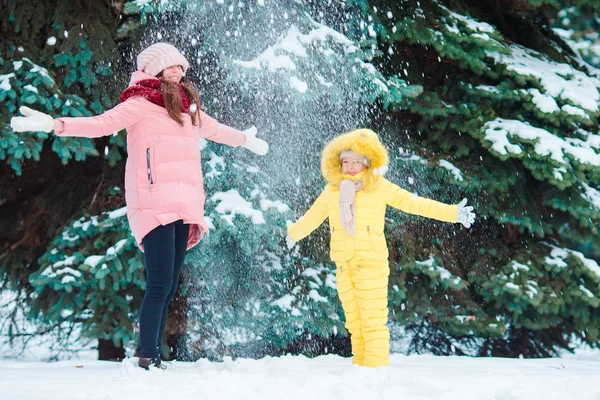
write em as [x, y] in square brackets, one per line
[363, 289]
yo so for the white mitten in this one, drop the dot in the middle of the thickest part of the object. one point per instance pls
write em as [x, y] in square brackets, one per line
[255, 144]
[33, 121]
[466, 216]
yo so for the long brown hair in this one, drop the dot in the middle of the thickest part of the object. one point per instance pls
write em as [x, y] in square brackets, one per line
[172, 98]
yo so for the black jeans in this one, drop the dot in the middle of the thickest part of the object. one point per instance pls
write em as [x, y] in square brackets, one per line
[164, 252]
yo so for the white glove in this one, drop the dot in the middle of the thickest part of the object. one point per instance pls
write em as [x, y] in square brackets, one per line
[33, 121]
[255, 144]
[466, 216]
[289, 242]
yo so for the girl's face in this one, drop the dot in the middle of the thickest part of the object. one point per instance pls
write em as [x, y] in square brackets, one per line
[350, 166]
[172, 74]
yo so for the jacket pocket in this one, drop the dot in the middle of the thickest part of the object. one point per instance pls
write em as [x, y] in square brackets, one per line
[370, 237]
[149, 168]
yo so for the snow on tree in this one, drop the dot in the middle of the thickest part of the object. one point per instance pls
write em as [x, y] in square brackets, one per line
[57, 58]
[31, 85]
[91, 279]
[247, 294]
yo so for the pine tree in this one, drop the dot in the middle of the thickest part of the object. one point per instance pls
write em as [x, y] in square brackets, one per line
[91, 280]
[493, 101]
[247, 294]
[31, 85]
[284, 74]
[56, 58]
[578, 27]
[503, 106]
[47, 64]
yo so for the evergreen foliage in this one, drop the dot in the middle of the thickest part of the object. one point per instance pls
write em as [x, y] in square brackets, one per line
[517, 116]
[247, 294]
[48, 64]
[92, 278]
[56, 57]
[31, 85]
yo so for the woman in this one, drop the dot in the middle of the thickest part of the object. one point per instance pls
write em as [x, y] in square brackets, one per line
[164, 186]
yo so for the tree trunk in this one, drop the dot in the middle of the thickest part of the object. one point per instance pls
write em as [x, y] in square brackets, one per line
[176, 329]
[109, 352]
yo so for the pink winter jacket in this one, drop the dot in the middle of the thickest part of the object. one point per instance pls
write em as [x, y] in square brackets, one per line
[163, 174]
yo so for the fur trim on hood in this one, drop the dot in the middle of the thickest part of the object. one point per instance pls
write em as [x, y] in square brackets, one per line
[361, 141]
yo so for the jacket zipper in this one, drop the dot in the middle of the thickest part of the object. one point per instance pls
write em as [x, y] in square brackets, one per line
[370, 239]
[149, 164]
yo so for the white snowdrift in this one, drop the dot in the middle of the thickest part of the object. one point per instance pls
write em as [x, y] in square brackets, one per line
[326, 377]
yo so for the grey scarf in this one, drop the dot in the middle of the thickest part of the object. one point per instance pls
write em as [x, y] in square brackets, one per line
[348, 190]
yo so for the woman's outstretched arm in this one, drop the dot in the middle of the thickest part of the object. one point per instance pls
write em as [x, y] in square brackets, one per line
[120, 117]
[215, 131]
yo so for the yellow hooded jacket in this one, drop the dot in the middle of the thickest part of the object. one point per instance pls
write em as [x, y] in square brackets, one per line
[370, 203]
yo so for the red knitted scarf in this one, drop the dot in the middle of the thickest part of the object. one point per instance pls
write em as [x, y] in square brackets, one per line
[151, 89]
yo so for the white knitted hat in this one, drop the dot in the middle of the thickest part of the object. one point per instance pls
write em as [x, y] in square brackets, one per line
[159, 56]
[348, 153]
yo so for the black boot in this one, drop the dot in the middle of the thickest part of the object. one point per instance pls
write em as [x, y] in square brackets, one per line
[146, 363]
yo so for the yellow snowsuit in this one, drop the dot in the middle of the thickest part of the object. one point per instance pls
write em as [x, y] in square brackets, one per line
[362, 266]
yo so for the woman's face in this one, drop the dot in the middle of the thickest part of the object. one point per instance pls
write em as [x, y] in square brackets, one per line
[172, 74]
[350, 166]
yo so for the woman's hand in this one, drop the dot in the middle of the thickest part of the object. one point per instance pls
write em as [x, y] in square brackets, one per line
[255, 144]
[32, 121]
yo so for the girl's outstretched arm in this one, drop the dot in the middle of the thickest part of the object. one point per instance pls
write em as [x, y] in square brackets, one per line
[314, 217]
[413, 204]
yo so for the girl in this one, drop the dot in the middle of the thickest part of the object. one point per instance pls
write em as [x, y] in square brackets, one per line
[164, 187]
[355, 200]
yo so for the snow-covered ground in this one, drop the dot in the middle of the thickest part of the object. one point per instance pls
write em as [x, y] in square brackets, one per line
[296, 377]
